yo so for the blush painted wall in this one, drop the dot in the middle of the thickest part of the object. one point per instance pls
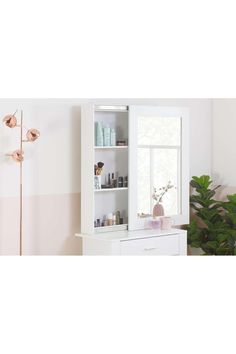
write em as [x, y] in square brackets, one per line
[224, 133]
[223, 146]
[52, 170]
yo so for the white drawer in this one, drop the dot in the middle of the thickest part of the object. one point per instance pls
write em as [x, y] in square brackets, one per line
[162, 246]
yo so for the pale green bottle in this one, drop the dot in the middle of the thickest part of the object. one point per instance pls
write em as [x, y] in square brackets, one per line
[99, 134]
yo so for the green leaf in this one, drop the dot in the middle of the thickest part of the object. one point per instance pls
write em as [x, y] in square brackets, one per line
[217, 234]
[232, 198]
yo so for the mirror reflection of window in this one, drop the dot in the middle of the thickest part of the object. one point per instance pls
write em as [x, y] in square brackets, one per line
[159, 162]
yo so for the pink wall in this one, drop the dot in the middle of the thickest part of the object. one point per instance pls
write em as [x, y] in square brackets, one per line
[50, 223]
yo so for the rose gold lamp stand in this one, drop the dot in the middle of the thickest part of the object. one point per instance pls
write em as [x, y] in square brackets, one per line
[18, 155]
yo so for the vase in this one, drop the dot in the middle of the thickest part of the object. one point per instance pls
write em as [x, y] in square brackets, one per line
[158, 210]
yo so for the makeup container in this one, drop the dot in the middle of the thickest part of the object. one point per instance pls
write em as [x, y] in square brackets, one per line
[126, 181]
[120, 182]
[114, 219]
[113, 181]
[98, 223]
[95, 223]
[121, 221]
[113, 137]
[105, 222]
[110, 219]
[109, 180]
[121, 143]
[107, 135]
[166, 223]
[118, 217]
[155, 223]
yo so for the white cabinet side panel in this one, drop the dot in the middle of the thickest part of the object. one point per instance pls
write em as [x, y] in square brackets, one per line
[87, 169]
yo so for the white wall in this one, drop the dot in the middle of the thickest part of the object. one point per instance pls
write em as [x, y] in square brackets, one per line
[224, 138]
[52, 169]
[52, 164]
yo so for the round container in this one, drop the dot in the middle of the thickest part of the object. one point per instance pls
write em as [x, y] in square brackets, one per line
[155, 224]
[166, 223]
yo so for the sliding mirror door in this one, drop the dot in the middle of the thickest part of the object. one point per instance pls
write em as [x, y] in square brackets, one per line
[158, 164]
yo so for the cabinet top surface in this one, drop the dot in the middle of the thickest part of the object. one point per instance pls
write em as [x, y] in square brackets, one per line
[127, 235]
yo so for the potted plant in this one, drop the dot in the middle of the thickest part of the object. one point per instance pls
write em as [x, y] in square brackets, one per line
[213, 229]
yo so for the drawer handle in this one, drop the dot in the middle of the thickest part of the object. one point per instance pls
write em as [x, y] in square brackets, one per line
[150, 249]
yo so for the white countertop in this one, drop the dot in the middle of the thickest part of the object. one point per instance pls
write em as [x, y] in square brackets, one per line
[127, 235]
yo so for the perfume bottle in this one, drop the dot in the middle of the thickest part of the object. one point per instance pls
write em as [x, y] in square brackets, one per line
[99, 134]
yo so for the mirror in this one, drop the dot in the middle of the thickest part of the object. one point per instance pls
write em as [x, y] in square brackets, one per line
[159, 166]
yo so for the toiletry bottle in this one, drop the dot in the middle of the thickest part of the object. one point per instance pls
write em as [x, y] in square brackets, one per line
[118, 217]
[107, 135]
[126, 181]
[114, 219]
[113, 137]
[120, 182]
[109, 179]
[99, 134]
[113, 181]
[110, 219]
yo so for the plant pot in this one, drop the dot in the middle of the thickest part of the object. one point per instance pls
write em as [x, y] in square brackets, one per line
[158, 210]
[195, 251]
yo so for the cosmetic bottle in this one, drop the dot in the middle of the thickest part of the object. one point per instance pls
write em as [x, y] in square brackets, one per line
[113, 181]
[98, 223]
[99, 134]
[126, 181]
[118, 217]
[109, 179]
[113, 137]
[114, 219]
[105, 221]
[110, 219]
[120, 182]
[107, 135]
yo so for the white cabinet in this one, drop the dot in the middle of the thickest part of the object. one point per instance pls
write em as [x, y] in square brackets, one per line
[148, 149]
[142, 243]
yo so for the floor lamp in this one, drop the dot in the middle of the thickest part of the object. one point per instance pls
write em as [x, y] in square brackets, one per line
[18, 155]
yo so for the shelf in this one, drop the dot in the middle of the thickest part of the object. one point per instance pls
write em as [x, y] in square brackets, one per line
[116, 108]
[111, 228]
[110, 189]
[110, 147]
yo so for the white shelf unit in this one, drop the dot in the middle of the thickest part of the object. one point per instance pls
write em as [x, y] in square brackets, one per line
[98, 203]
[110, 147]
[123, 160]
[110, 190]
[131, 237]
[112, 228]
